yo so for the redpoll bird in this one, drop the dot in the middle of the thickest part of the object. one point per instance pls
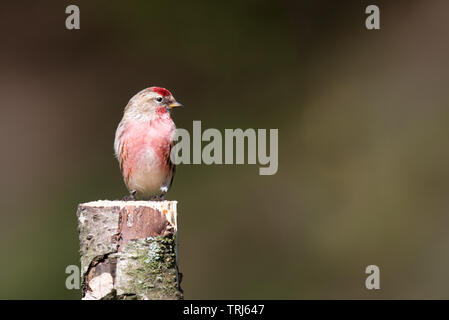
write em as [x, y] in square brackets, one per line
[143, 142]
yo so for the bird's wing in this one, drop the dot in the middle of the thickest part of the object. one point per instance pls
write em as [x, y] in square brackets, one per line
[171, 164]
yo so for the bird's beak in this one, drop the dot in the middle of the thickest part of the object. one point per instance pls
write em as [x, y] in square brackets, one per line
[174, 105]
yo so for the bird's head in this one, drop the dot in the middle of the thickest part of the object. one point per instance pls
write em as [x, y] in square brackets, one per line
[151, 102]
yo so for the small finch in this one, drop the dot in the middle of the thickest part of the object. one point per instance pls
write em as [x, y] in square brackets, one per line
[143, 141]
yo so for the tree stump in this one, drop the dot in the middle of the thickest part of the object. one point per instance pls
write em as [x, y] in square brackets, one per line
[129, 250]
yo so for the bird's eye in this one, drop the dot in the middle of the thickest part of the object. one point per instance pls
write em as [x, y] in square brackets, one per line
[159, 99]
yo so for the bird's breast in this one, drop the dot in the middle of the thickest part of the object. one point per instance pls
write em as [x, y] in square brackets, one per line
[150, 143]
[145, 153]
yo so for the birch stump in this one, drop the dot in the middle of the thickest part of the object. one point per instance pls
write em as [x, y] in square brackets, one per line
[129, 250]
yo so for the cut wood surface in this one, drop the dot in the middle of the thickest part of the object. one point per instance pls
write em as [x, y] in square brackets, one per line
[129, 250]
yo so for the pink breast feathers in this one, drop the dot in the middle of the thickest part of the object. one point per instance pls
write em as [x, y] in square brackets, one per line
[147, 139]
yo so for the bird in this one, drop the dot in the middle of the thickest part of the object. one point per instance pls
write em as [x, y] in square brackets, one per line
[143, 141]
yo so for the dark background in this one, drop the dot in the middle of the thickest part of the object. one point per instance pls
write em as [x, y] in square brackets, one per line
[363, 129]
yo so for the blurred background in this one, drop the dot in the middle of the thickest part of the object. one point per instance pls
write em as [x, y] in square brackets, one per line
[363, 153]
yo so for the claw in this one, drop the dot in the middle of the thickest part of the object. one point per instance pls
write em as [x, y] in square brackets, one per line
[160, 197]
[130, 197]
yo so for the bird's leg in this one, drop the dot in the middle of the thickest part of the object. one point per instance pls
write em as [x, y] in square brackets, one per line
[161, 197]
[130, 197]
[155, 198]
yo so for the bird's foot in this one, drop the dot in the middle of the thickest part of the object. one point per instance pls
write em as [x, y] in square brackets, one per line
[158, 198]
[130, 197]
